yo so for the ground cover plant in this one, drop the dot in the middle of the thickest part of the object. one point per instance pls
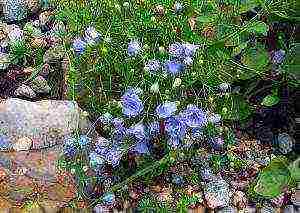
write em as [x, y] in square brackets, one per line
[172, 88]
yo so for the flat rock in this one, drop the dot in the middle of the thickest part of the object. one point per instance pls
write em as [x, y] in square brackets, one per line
[46, 123]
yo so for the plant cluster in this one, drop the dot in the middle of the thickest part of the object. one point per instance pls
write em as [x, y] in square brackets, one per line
[159, 78]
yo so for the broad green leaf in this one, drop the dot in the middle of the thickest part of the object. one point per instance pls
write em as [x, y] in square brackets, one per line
[206, 19]
[255, 58]
[273, 178]
[270, 100]
[237, 50]
[258, 27]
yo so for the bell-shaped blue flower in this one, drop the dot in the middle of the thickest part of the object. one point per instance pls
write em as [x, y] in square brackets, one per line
[166, 109]
[174, 67]
[194, 116]
[79, 46]
[175, 127]
[134, 48]
[132, 105]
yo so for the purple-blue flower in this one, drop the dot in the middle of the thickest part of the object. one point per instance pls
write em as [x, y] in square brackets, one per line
[152, 65]
[109, 198]
[132, 105]
[173, 67]
[141, 147]
[96, 159]
[138, 131]
[113, 156]
[166, 109]
[84, 140]
[173, 142]
[4, 142]
[197, 133]
[175, 127]
[91, 35]
[190, 49]
[176, 50]
[153, 129]
[134, 48]
[79, 45]
[216, 143]
[194, 116]
[278, 56]
[118, 122]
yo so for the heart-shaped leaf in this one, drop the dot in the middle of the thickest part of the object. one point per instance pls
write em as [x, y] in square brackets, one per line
[258, 27]
[270, 100]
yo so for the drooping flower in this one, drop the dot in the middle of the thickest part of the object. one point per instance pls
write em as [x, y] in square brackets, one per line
[278, 56]
[190, 49]
[113, 156]
[175, 127]
[134, 48]
[4, 142]
[91, 35]
[153, 129]
[152, 65]
[173, 67]
[84, 140]
[138, 131]
[141, 147]
[96, 159]
[194, 116]
[109, 198]
[132, 105]
[166, 109]
[176, 50]
[79, 46]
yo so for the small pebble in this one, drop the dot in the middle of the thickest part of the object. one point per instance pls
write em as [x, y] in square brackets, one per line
[24, 91]
[22, 144]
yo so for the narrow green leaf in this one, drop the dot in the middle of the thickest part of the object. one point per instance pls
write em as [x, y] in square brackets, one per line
[258, 27]
[270, 100]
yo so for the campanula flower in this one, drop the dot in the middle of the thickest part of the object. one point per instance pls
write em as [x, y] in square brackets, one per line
[197, 133]
[79, 46]
[153, 129]
[109, 198]
[173, 67]
[118, 122]
[4, 142]
[175, 127]
[141, 147]
[178, 7]
[134, 48]
[96, 159]
[138, 131]
[131, 103]
[190, 49]
[152, 65]
[84, 140]
[91, 35]
[176, 50]
[166, 109]
[216, 143]
[194, 116]
[113, 156]
[70, 150]
[173, 142]
[278, 56]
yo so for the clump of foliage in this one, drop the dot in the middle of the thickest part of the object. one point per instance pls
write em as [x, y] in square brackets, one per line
[146, 61]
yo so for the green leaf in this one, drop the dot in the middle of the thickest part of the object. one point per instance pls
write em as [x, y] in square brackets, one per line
[206, 19]
[258, 27]
[270, 100]
[257, 59]
[273, 178]
[248, 5]
[237, 50]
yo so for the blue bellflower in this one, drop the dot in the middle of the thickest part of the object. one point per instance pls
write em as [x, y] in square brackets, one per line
[194, 117]
[134, 48]
[175, 127]
[141, 147]
[91, 35]
[166, 109]
[79, 46]
[278, 56]
[138, 131]
[132, 105]
[176, 50]
[4, 143]
[109, 198]
[84, 140]
[152, 65]
[153, 129]
[173, 67]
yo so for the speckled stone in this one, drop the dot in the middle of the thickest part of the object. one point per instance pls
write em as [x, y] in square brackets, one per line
[45, 122]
